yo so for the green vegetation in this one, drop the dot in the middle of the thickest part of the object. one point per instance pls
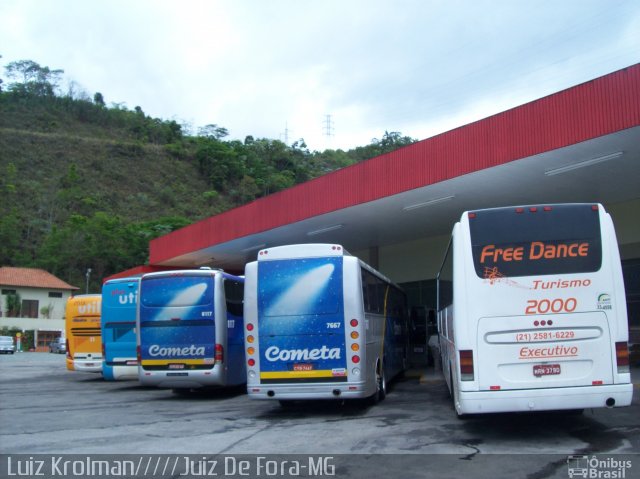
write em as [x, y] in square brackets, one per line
[86, 185]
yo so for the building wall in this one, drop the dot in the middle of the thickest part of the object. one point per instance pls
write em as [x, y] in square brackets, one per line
[627, 224]
[45, 328]
[42, 296]
[31, 324]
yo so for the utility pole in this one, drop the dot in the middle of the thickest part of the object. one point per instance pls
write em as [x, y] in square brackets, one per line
[87, 276]
[328, 128]
[286, 134]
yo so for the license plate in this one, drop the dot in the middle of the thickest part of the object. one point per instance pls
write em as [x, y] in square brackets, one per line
[176, 366]
[545, 369]
[303, 367]
[90, 365]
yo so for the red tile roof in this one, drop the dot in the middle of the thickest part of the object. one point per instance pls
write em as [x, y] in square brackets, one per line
[31, 278]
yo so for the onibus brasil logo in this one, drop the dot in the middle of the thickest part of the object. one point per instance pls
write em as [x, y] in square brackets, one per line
[596, 467]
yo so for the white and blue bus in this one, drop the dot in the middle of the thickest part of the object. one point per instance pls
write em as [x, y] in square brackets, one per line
[190, 325]
[118, 325]
[531, 311]
[321, 324]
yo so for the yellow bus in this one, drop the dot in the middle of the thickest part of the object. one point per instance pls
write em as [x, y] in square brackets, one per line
[84, 341]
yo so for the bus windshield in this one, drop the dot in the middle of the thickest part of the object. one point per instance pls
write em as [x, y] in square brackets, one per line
[300, 287]
[177, 291]
[562, 239]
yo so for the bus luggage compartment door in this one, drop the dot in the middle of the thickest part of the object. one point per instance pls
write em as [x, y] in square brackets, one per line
[544, 351]
[294, 356]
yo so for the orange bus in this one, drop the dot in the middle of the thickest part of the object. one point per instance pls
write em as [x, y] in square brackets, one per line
[84, 341]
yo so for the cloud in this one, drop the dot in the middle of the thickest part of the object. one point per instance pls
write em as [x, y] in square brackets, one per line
[257, 68]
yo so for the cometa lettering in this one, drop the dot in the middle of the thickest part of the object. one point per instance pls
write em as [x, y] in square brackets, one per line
[274, 353]
[156, 350]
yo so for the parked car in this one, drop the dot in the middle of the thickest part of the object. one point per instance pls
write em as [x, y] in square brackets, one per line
[58, 345]
[6, 345]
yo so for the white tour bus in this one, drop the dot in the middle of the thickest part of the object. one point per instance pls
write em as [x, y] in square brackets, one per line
[321, 324]
[531, 311]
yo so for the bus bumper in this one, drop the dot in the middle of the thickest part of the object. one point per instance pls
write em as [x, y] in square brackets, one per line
[183, 379]
[116, 373]
[88, 365]
[309, 391]
[550, 399]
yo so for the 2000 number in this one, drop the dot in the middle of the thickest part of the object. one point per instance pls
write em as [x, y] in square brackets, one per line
[545, 306]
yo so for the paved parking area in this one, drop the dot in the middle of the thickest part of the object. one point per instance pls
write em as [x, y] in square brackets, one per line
[48, 410]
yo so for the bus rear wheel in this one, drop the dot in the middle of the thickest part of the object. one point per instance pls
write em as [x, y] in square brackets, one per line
[454, 398]
[382, 385]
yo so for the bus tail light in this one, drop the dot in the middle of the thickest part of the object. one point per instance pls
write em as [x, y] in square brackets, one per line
[219, 353]
[66, 341]
[466, 365]
[251, 362]
[355, 358]
[139, 354]
[622, 357]
[103, 350]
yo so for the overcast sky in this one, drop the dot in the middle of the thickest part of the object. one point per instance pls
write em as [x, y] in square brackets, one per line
[278, 68]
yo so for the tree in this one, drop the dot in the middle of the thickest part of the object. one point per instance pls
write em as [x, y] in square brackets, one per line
[390, 141]
[98, 99]
[36, 80]
[213, 131]
[13, 305]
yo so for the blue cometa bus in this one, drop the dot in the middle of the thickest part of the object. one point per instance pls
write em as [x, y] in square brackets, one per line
[190, 325]
[118, 325]
[321, 324]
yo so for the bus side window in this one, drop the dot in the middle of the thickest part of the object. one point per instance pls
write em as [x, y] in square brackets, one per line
[371, 293]
[233, 291]
[445, 293]
[365, 292]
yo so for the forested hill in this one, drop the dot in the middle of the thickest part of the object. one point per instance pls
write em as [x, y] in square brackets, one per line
[86, 185]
